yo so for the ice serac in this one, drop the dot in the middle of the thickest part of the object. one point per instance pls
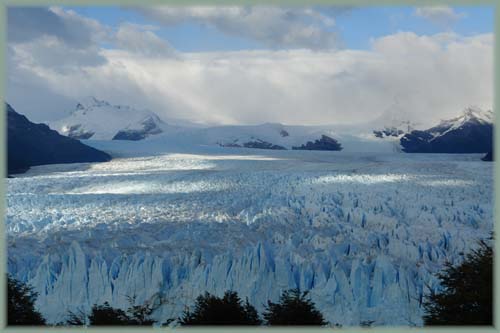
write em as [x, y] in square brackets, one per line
[347, 290]
[471, 132]
[98, 119]
[32, 144]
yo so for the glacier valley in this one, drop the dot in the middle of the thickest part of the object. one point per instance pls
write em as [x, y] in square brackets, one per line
[364, 232]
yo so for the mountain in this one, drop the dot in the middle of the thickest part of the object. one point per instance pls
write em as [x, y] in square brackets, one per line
[98, 119]
[269, 136]
[272, 136]
[470, 132]
[325, 143]
[388, 131]
[32, 144]
[256, 144]
[394, 129]
[394, 122]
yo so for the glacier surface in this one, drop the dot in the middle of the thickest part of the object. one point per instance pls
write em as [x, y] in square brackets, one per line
[364, 232]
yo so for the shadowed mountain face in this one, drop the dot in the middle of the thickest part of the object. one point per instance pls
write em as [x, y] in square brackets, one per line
[325, 143]
[32, 144]
[472, 132]
[148, 126]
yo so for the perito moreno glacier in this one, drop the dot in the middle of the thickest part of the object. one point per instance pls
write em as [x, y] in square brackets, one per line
[364, 232]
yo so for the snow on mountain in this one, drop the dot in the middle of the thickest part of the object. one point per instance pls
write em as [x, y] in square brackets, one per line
[470, 115]
[100, 120]
[470, 132]
[394, 122]
[364, 232]
[276, 136]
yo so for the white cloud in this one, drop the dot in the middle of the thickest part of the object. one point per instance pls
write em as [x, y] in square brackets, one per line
[49, 51]
[428, 77]
[275, 27]
[140, 39]
[432, 77]
[53, 37]
[440, 15]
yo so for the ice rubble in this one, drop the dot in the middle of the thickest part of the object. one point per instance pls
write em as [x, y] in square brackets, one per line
[363, 232]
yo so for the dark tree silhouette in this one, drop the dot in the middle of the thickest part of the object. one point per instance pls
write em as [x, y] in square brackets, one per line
[294, 308]
[228, 310]
[136, 315]
[75, 319]
[140, 314]
[20, 308]
[105, 315]
[467, 295]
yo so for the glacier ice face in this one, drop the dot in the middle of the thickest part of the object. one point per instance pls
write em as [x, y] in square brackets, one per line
[363, 232]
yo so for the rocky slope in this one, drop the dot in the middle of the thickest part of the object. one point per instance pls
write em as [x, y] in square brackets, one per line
[30, 144]
[471, 132]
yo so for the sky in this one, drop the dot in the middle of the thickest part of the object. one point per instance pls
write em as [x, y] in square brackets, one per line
[253, 64]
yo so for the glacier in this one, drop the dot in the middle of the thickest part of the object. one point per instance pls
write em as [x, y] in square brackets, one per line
[365, 233]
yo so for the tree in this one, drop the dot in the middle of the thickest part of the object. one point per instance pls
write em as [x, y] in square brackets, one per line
[21, 304]
[75, 319]
[294, 308]
[467, 295]
[140, 314]
[228, 310]
[106, 315]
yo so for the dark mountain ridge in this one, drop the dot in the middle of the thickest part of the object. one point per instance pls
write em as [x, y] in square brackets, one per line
[471, 132]
[30, 144]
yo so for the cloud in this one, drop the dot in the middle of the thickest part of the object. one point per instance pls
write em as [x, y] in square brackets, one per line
[275, 27]
[63, 40]
[53, 37]
[140, 39]
[25, 24]
[443, 16]
[49, 51]
[430, 76]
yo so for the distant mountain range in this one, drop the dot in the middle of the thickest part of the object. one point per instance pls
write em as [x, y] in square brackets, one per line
[97, 119]
[470, 132]
[271, 136]
[30, 144]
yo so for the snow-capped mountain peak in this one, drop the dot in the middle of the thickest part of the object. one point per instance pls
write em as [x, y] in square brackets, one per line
[471, 113]
[475, 113]
[93, 118]
[470, 132]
